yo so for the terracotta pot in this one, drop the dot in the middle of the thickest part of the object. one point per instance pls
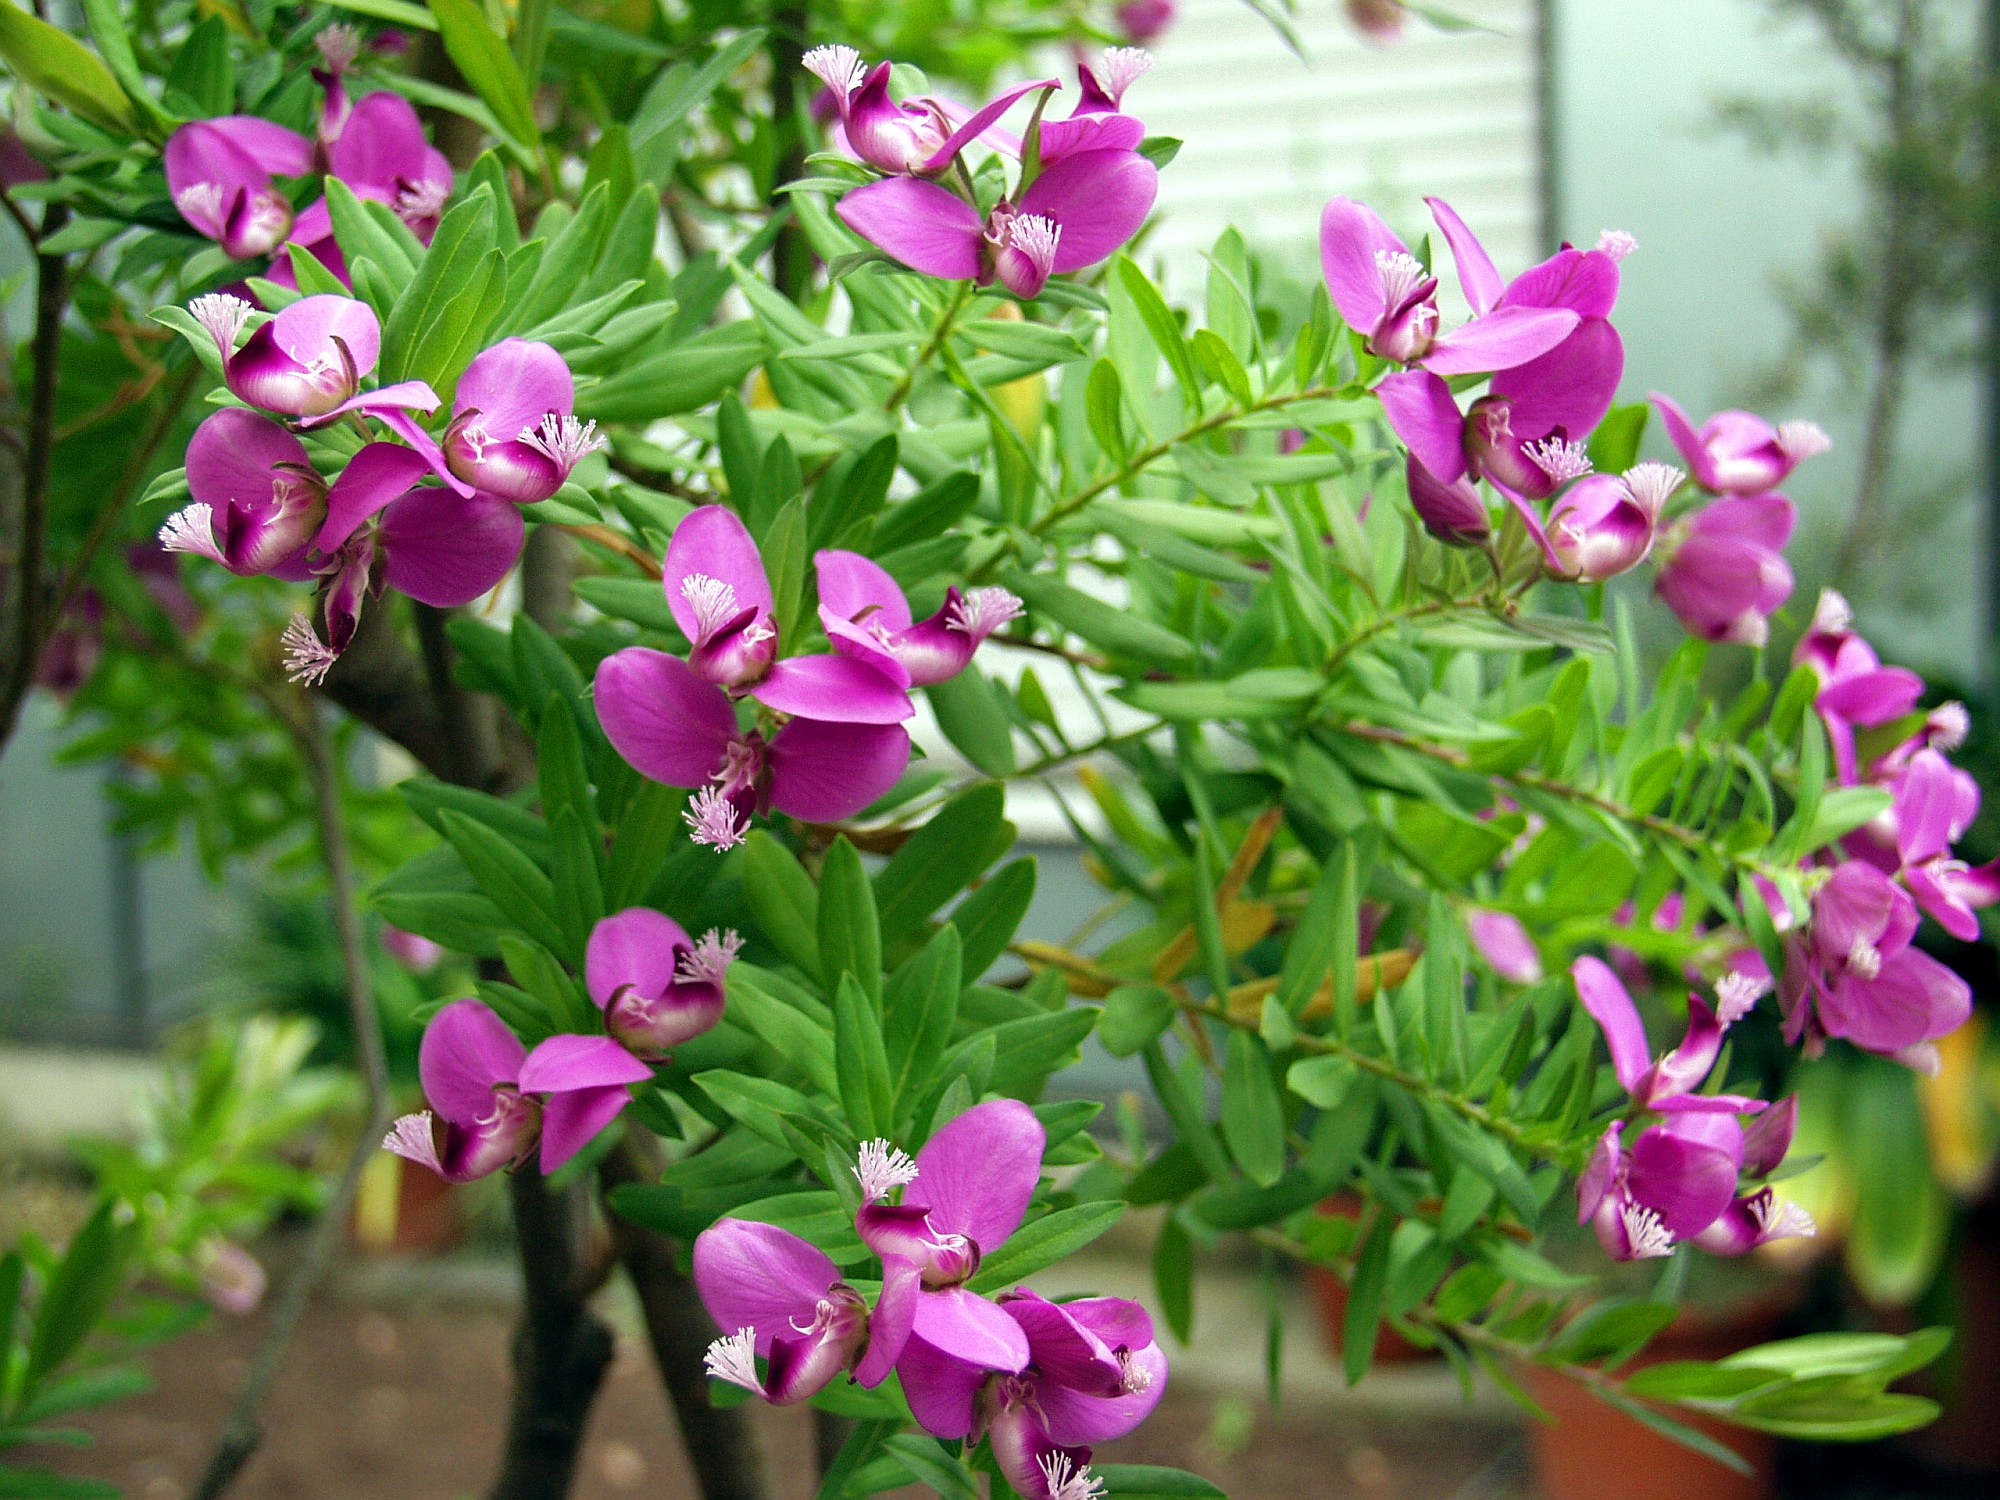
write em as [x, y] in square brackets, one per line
[401, 1208]
[1330, 1293]
[1593, 1452]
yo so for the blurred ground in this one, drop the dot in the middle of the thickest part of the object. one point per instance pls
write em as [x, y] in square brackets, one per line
[396, 1390]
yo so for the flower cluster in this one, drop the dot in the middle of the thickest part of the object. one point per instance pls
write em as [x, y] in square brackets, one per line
[492, 1100]
[1852, 971]
[828, 737]
[439, 522]
[1082, 191]
[1040, 1380]
[222, 172]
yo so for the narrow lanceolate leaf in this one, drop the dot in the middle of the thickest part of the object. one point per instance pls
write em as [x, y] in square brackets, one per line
[1253, 1116]
[938, 860]
[849, 939]
[1044, 1242]
[54, 63]
[512, 880]
[1364, 1300]
[784, 901]
[861, 1059]
[988, 918]
[455, 269]
[80, 1289]
[477, 51]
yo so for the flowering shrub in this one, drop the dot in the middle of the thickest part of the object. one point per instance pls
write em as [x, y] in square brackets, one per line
[1304, 594]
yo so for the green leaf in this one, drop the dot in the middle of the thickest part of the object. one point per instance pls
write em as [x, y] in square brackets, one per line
[639, 600]
[79, 1291]
[862, 1060]
[1173, 1277]
[514, 883]
[1151, 1482]
[203, 74]
[1119, 631]
[1040, 1244]
[971, 711]
[46, 1484]
[1833, 1416]
[1310, 953]
[1611, 1330]
[434, 328]
[1133, 1017]
[1253, 1116]
[1027, 1051]
[1364, 1299]
[804, 1040]
[1614, 446]
[360, 233]
[1164, 328]
[939, 860]
[920, 1012]
[1323, 1082]
[478, 53]
[783, 900]
[54, 63]
[785, 559]
[988, 918]
[850, 939]
[928, 1462]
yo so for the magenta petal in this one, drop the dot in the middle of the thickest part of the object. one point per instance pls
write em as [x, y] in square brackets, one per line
[1065, 1352]
[977, 123]
[1094, 132]
[514, 384]
[941, 1388]
[1685, 1170]
[1611, 1007]
[1350, 235]
[571, 1121]
[1584, 281]
[1505, 945]
[381, 141]
[821, 773]
[850, 583]
[444, 550]
[467, 1050]
[978, 1172]
[1420, 409]
[404, 395]
[919, 223]
[1570, 387]
[568, 1061]
[635, 947]
[1872, 697]
[1476, 272]
[377, 475]
[1926, 808]
[834, 690]
[667, 722]
[1913, 999]
[965, 1324]
[759, 1276]
[406, 428]
[281, 152]
[1072, 1417]
[1500, 340]
[713, 542]
[1681, 433]
[890, 1324]
[1099, 198]
[206, 151]
[851, 640]
[231, 455]
[306, 330]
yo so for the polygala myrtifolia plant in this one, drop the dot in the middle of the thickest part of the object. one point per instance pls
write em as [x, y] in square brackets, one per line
[1305, 593]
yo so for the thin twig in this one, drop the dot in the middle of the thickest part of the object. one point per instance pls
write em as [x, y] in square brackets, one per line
[243, 1430]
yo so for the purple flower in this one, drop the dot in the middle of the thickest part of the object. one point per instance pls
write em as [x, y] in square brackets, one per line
[1855, 689]
[1738, 453]
[257, 501]
[962, 1197]
[384, 527]
[1604, 524]
[1935, 803]
[865, 616]
[377, 148]
[1074, 214]
[308, 361]
[917, 136]
[219, 173]
[1094, 1373]
[417, 954]
[1380, 21]
[656, 986]
[781, 1298]
[1678, 1179]
[681, 731]
[1098, 122]
[1725, 572]
[481, 1082]
[1388, 297]
[1451, 512]
[1667, 1084]
[1505, 945]
[1144, 21]
[1854, 974]
[74, 646]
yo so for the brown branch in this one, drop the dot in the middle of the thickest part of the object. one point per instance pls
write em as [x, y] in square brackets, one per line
[244, 1430]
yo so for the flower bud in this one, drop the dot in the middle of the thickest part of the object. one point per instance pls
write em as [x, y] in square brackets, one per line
[1453, 513]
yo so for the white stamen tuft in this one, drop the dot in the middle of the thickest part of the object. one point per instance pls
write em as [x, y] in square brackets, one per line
[191, 530]
[1648, 1237]
[1800, 441]
[1035, 237]
[710, 958]
[713, 602]
[1402, 273]
[307, 658]
[412, 1138]
[563, 441]
[223, 316]
[1833, 614]
[1136, 1377]
[1748, 629]
[734, 1359]
[982, 612]
[839, 68]
[1561, 461]
[1120, 68]
[1736, 996]
[712, 820]
[880, 1168]
[1864, 958]
[338, 46]
[1947, 725]
[1652, 485]
[200, 204]
[420, 202]
[1068, 1482]
[1616, 243]
[1780, 1218]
